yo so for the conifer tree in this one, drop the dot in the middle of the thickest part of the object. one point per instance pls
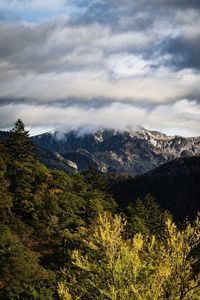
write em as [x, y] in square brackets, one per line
[21, 168]
[20, 146]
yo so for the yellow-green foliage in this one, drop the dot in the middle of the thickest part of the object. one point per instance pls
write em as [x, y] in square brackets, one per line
[63, 292]
[141, 268]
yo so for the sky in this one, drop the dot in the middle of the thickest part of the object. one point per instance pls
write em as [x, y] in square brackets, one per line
[120, 64]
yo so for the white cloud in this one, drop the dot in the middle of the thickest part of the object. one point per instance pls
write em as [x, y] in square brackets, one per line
[126, 65]
[162, 85]
[182, 117]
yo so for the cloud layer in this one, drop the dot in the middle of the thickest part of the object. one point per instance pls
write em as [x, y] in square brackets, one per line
[96, 63]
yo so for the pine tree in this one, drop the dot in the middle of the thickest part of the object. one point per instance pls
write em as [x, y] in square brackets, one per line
[21, 169]
[20, 146]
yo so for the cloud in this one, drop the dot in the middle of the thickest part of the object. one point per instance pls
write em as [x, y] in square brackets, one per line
[185, 51]
[134, 15]
[159, 86]
[98, 57]
[194, 4]
[183, 116]
[56, 46]
[56, 61]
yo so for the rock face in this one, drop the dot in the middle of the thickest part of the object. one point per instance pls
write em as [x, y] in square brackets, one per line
[55, 161]
[132, 152]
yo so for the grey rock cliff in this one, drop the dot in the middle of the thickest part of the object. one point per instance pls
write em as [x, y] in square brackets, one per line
[133, 152]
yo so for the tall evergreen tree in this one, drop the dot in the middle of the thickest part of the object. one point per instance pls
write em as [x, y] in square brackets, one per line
[21, 170]
[20, 146]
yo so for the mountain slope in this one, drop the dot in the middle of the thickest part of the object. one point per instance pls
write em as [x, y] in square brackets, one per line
[51, 160]
[175, 185]
[133, 152]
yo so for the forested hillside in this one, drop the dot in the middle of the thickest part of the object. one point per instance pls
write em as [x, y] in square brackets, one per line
[175, 185]
[64, 237]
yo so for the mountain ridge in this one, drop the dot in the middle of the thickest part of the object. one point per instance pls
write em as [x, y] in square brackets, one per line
[111, 151]
[175, 185]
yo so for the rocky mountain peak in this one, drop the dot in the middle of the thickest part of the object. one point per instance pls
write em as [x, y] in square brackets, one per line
[130, 151]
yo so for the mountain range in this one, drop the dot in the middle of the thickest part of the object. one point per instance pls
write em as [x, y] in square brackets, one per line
[111, 151]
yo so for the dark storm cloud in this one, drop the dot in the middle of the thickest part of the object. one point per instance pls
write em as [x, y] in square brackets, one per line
[138, 14]
[185, 51]
[120, 15]
[96, 103]
[194, 4]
